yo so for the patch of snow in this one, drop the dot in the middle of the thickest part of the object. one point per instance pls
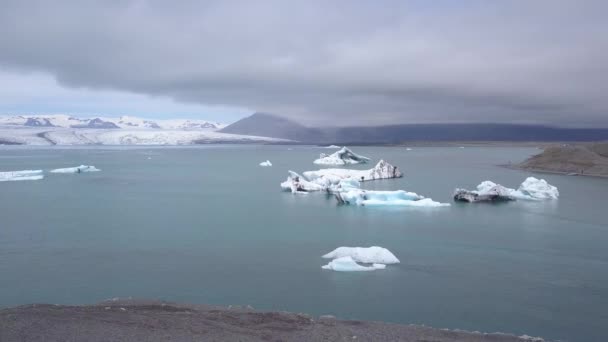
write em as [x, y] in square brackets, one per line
[23, 175]
[368, 255]
[342, 157]
[266, 163]
[347, 264]
[76, 169]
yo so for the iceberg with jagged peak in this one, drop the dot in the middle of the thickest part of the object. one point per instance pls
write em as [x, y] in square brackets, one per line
[488, 191]
[368, 255]
[266, 163]
[347, 264]
[386, 198]
[343, 156]
[23, 175]
[77, 169]
[382, 170]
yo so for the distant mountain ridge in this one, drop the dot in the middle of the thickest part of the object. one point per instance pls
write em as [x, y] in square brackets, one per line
[123, 122]
[269, 125]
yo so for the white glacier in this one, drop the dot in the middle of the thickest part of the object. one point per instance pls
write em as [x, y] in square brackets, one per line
[382, 170]
[368, 255]
[76, 169]
[342, 157]
[23, 175]
[347, 264]
[266, 163]
[386, 198]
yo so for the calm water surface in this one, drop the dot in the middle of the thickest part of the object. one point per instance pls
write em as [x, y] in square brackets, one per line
[208, 225]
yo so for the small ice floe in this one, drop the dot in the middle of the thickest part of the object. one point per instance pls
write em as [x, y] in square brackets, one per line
[22, 175]
[77, 169]
[368, 255]
[347, 264]
[342, 157]
[531, 189]
[266, 163]
[332, 147]
[408, 149]
[382, 170]
[386, 198]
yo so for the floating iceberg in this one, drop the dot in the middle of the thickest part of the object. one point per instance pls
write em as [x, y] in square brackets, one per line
[488, 191]
[266, 163]
[382, 170]
[332, 146]
[342, 157]
[347, 264]
[77, 169]
[368, 255]
[23, 175]
[408, 149]
[298, 184]
[537, 189]
[384, 198]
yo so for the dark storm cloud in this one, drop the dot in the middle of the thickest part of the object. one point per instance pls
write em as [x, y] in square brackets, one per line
[349, 62]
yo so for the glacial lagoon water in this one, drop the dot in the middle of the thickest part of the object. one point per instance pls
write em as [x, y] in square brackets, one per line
[207, 224]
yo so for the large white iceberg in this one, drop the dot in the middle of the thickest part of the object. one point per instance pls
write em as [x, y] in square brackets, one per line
[266, 163]
[342, 157]
[347, 264]
[386, 198]
[298, 184]
[537, 189]
[368, 255]
[77, 169]
[382, 170]
[488, 191]
[23, 175]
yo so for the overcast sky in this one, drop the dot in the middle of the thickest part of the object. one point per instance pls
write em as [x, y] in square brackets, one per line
[320, 62]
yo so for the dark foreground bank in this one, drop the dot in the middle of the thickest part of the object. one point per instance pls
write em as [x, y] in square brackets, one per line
[155, 321]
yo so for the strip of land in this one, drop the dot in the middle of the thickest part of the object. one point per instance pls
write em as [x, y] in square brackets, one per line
[585, 159]
[156, 321]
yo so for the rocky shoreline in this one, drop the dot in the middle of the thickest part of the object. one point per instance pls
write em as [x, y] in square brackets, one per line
[589, 159]
[131, 320]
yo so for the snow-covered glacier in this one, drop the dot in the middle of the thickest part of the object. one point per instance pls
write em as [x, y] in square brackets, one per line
[386, 198]
[347, 264]
[76, 169]
[343, 156]
[382, 170]
[22, 175]
[86, 136]
[530, 189]
[368, 255]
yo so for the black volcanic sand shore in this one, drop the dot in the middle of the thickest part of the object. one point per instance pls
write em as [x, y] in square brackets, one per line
[156, 321]
[589, 159]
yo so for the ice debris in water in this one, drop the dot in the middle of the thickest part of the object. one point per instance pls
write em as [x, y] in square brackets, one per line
[298, 184]
[23, 175]
[343, 156]
[266, 163]
[488, 191]
[77, 169]
[368, 255]
[332, 146]
[386, 198]
[347, 264]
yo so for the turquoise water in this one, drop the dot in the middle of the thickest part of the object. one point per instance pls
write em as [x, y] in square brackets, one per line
[208, 225]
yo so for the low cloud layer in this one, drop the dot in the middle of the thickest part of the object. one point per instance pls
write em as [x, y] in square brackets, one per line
[328, 62]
